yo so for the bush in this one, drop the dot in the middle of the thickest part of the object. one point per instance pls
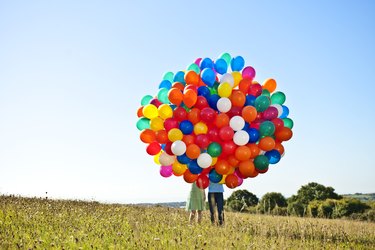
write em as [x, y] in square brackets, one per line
[296, 208]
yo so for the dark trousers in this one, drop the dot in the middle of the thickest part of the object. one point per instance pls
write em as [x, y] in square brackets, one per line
[216, 200]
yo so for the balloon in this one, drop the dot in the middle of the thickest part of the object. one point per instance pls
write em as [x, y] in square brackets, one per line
[153, 148]
[190, 177]
[165, 111]
[221, 66]
[261, 162]
[224, 104]
[273, 156]
[237, 123]
[224, 89]
[191, 77]
[208, 76]
[214, 149]
[183, 159]
[202, 181]
[186, 127]
[165, 84]
[204, 160]
[178, 168]
[248, 72]
[269, 84]
[238, 98]
[247, 169]
[175, 135]
[226, 133]
[266, 128]
[150, 111]
[270, 113]
[175, 96]
[193, 151]
[203, 91]
[190, 98]
[254, 149]
[206, 63]
[202, 141]
[168, 76]
[262, 103]
[244, 85]
[166, 159]
[214, 176]
[143, 123]
[288, 123]
[147, 136]
[285, 112]
[208, 115]
[222, 167]
[194, 168]
[178, 148]
[157, 124]
[231, 181]
[266, 143]
[237, 77]
[227, 78]
[249, 113]
[221, 120]
[212, 101]
[200, 128]
[194, 115]
[170, 123]
[242, 153]
[241, 138]
[255, 90]
[226, 57]
[146, 100]
[201, 102]
[194, 67]
[284, 134]
[237, 63]
[166, 171]
[179, 77]
[278, 98]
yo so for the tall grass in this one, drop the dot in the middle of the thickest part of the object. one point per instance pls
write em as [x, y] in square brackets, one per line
[27, 223]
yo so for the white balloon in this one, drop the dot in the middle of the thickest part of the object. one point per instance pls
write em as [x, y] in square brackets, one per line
[224, 104]
[279, 109]
[166, 159]
[237, 123]
[227, 78]
[204, 160]
[178, 148]
[241, 138]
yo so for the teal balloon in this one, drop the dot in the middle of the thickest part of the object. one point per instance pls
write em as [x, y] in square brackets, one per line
[288, 123]
[143, 123]
[163, 95]
[227, 57]
[168, 76]
[262, 103]
[278, 98]
[194, 68]
[214, 149]
[266, 128]
[265, 92]
[146, 100]
[261, 162]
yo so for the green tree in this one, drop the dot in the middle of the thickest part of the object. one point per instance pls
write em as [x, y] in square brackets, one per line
[241, 199]
[314, 191]
[270, 200]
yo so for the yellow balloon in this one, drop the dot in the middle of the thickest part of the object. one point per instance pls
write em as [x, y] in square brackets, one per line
[165, 111]
[157, 124]
[150, 111]
[200, 128]
[224, 89]
[223, 179]
[214, 160]
[156, 157]
[175, 135]
[231, 171]
[237, 76]
[178, 168]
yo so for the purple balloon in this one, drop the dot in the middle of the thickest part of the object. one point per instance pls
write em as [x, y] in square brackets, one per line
[248, 72]
[270, 113]
[166, 171]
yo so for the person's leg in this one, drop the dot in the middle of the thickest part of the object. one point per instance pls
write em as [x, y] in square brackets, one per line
[220, 207]
[212, 204]
[192, 216]
[199, 216]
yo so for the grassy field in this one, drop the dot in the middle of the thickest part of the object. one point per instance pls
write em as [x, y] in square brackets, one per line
[27, 223]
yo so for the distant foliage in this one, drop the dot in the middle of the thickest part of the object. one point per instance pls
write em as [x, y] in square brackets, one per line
[270, 201]
[240, 200]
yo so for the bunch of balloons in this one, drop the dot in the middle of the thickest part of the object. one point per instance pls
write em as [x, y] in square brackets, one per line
[214, 122]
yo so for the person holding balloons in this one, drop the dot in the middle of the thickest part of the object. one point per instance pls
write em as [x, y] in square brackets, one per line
[216, 202]
[195, 203]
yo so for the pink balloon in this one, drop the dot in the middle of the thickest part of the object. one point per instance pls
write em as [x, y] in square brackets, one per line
[198, 61]
[166, 171]
[248, 72]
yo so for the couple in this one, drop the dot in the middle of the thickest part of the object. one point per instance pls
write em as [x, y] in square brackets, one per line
[196, 202]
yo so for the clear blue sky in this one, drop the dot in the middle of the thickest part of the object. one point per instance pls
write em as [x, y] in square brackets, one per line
[72, 74]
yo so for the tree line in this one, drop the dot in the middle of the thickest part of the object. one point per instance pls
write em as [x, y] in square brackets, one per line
[311, 200]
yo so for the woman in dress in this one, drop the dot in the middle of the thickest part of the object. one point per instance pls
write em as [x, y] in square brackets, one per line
[195, 203]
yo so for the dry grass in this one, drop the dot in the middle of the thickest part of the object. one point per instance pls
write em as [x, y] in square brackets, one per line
[45, 224]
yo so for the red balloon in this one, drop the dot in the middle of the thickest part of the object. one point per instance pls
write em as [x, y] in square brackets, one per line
[262, 171]
[228, 148]
[202, 141]
[168, 148]
[153, 148]
[231, 181]
[201, 102]
[192, 87]
[170, 123]
[226, 133]
[180, 114]
[208, 115]
[270, 113]
[255, 89]
[234, 111]
[162, 136]
[255, 124]
[189, 177]
[194, 115]
[279, 123]
[202, 181]
[213, 134]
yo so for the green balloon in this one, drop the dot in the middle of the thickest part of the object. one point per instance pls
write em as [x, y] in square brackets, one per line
[143, 123]
[168, 76]
[163, 95]
[227, 57]
[194, 68]
[262, 103]
[278, 98]
[261, 162]
[265, 92]
[266, 128]
[146, 100]
[214, 149]
[288, 123]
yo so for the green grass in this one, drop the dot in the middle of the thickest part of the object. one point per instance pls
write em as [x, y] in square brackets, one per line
[27, 223]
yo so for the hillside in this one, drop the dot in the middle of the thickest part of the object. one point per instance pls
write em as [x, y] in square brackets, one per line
[361, 197]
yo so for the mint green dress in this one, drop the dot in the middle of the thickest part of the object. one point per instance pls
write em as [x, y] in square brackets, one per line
[195, 199]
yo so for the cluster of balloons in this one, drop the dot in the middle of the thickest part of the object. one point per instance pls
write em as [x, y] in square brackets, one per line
[214, 122]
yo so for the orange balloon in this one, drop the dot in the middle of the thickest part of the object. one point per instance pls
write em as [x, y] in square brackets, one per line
[190, 98]
[147, 136]
[237, 98]
[242, 153]
[162, 136]
[175, 96]
[270, 85]
[254, 149]
[191, 77]
[244, 85]
[222, 167]
[247, 168]
[188, 139]
[222, 120]
[194, 115]
[284, 134]
[249, 113]
[266, 143]
[279, 147]
[140, 112]
[232, 161]
[231, 181]
[178, 85]
[193, 151]
[189, 177]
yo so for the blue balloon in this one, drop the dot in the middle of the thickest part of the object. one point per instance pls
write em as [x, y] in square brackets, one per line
[285, 112]
[186, 127]
[206, 63]
[253, 134]
[194, 167]
[183, 159]
[204, 91]
[212, 101]
[247, 126]
[273, 156]
[179, 77]
[208, 76]
[237, 63]
[221, 66]
[214, 176]
[250, 100]
[162, 146]
[165, 84]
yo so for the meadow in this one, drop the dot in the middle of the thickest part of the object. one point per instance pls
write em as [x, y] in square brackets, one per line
[28, 223]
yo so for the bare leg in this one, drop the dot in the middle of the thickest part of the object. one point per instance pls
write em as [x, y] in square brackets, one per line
[192, 216]
[199, 216]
